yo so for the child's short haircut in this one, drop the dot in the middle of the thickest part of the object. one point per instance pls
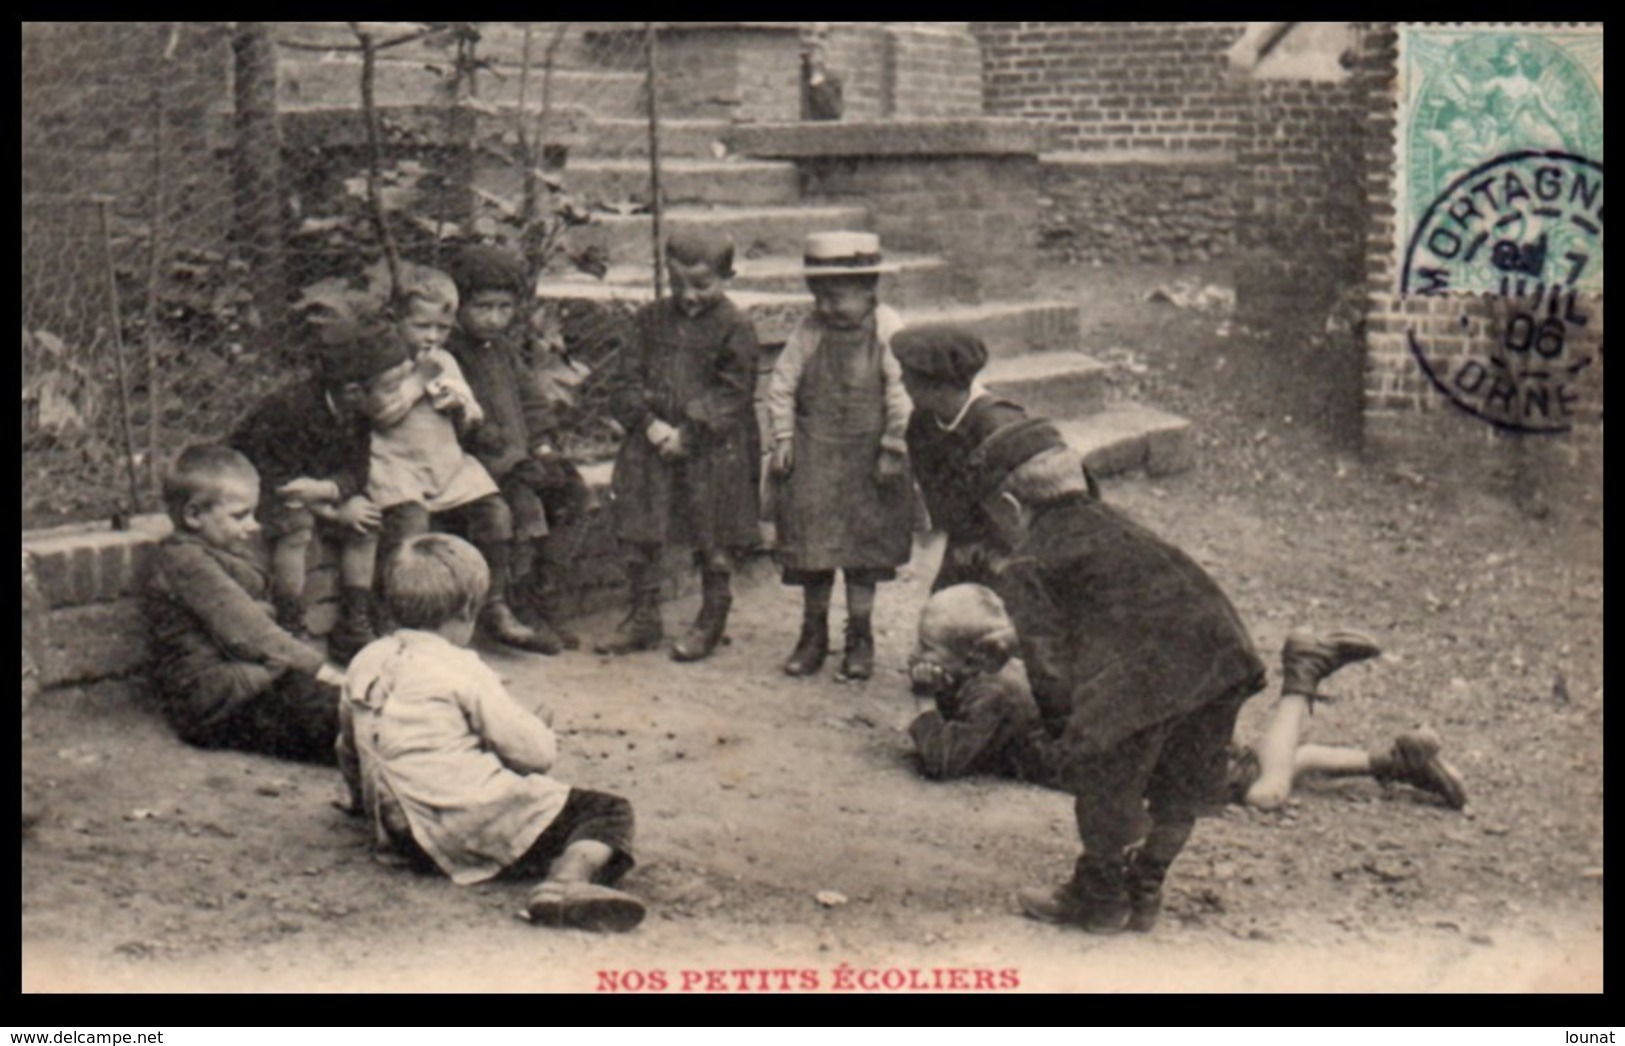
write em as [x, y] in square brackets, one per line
[483, 268]
[967, 616]
[700, 246]
[430, 286]
[433, 579]
[197, 477]
[1046, 476]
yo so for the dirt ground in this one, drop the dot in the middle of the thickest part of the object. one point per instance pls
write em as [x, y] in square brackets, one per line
[158, 867]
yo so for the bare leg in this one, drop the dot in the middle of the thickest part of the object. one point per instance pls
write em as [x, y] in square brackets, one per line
[358, 561]
[1331, 761]
[1277, 753]
[580, 861]
[568, 897]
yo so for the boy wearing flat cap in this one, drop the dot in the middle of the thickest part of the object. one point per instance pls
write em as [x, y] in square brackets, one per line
[838, 411]
[953, 414]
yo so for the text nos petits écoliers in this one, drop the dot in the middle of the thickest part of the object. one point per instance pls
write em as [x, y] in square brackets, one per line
[841, 978]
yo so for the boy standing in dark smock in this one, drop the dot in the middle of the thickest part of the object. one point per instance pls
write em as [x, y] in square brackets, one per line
[689, 468]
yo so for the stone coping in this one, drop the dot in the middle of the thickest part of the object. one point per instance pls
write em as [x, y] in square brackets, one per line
[969, 136]
[1144, 157]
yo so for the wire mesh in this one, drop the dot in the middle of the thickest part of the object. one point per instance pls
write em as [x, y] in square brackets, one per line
[187, 184]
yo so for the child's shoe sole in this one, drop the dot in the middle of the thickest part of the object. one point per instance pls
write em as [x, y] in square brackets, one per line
[584, 906]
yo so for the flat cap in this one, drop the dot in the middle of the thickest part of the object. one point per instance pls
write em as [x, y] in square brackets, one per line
[941, 352]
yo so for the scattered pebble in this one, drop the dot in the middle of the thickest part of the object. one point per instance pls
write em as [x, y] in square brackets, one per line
[830, 898]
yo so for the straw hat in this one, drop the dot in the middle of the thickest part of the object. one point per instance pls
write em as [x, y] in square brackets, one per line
[844, 253]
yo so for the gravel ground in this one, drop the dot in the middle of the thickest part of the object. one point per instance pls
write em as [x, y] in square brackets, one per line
[782, 826]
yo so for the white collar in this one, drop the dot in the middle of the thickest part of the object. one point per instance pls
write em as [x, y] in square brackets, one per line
[976, 393]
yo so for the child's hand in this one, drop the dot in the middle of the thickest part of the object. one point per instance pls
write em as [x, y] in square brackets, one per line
[927, 677]
[304, 490]
[784, 457]
[890, 467]
[674, 448]
[359, 514]
[330, 674]
[659, 432]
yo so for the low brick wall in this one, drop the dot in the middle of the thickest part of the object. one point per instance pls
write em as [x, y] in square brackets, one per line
[965, 189]
[82, 616]
[1137, 205]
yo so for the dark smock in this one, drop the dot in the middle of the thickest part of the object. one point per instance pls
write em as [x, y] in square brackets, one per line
[699, 375]
[1120, 630]
[518, 417]
[939, 458]
[832, 512]
[297, 431]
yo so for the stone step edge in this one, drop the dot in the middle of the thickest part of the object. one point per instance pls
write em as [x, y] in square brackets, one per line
[1130, 437]
[768, 267]
[572, 287]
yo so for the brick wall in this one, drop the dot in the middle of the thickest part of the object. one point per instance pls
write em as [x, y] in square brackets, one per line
[1407, 418]
[1300, 219]
[935, 70]
[1139, 120]
[1114, 85]
[1167, 207]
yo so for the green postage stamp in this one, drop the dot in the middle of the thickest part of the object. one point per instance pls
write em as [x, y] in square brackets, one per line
[1499, 166]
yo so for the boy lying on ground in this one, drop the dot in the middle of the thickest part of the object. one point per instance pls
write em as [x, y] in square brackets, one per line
[986, 721]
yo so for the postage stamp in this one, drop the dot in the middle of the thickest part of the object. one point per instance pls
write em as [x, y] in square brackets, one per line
[1500, 198]
[1469, 95]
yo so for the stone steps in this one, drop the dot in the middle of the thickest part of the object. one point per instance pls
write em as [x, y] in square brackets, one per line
[922, 279]
[1128, 437]
[740, 183]
[755, 230]
[621, 137]
[334, 79]
[1010, 328]
[1054, 384]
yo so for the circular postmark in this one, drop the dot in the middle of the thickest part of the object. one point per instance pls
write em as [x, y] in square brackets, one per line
[1515, 245]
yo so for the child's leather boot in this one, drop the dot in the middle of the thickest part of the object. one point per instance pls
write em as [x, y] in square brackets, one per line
[1414, 759]
[1307, 657]
[703, 636]
[812, 647]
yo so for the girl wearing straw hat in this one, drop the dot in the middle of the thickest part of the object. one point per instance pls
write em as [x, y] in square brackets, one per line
[838, 413]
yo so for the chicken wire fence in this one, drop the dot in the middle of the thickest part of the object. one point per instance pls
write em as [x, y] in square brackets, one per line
[194, 192]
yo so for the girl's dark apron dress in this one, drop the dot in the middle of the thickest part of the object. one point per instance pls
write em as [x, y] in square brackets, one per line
[832, 514]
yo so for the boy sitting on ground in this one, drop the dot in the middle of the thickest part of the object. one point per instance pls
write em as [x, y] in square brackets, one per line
[228, 674]
[454, 772]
